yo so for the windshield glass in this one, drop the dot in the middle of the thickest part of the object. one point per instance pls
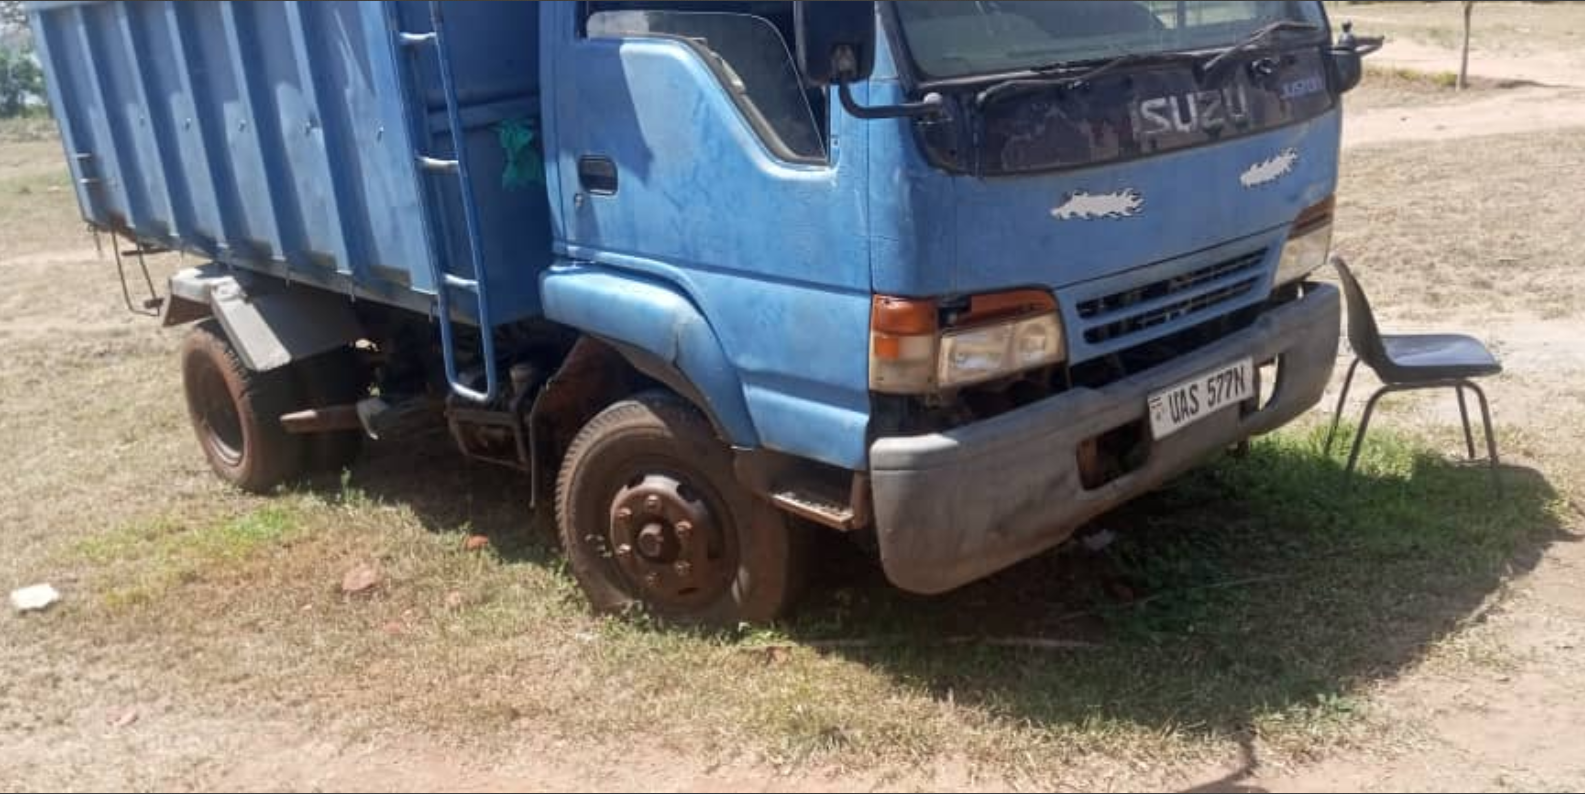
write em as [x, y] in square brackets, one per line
[952, 38]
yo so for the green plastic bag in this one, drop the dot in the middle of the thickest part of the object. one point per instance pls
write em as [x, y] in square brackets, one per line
[525, 166]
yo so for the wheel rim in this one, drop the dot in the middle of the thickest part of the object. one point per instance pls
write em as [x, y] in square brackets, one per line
[219, 423]
[669, 542]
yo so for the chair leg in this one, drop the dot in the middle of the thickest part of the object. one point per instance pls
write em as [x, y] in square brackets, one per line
[1337, 415]
[1364, 424]
[1463, 412]
[1491, 438]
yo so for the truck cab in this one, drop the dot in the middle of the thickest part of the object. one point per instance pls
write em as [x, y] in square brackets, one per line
[972, 278]
[954, 276]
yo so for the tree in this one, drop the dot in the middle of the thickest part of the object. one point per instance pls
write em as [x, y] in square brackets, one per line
[1463, 65]
[12, 16]
[20, 79]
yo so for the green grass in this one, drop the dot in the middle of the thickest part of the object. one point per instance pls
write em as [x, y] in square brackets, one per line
[145, 560]
[1256, 596]
[1258, 599]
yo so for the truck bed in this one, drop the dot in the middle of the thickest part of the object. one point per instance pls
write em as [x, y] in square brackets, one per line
[283, 137]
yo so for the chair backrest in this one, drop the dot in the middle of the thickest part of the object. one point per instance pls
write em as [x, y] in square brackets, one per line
[1363, 335]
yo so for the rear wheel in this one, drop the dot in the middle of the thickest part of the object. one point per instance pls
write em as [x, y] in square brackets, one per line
[651, 515]
[236, 412]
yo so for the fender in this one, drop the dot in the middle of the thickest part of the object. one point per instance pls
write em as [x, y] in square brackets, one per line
[658, 319]
[270, 323]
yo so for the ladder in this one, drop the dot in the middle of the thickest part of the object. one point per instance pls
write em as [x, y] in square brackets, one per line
[457, 167]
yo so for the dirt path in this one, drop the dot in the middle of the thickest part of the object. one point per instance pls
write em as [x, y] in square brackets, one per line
[1537, 90]
[1558, 68]
[1501, 112]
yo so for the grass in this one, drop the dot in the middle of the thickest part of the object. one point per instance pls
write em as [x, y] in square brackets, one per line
[1440, 81]
[27, 128]
[1428, 240]
[1257, 598]
[1402, 87]
[37, 203]
[147, 559]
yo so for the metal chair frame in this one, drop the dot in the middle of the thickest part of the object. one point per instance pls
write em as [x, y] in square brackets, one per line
[1457, 384]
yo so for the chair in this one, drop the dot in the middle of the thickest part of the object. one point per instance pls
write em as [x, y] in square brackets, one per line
[1405, 362]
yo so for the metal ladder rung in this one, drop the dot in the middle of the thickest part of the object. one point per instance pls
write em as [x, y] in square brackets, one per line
[415, 39]
[469, 284]
[438, 165]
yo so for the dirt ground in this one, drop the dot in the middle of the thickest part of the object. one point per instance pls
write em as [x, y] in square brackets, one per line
[204, 643]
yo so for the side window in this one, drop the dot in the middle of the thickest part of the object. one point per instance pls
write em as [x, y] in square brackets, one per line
[748, 53]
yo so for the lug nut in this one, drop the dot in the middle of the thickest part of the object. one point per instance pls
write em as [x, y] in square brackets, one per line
[624, 550]
[684, 529]
[623, 515]
[652, 580]
[652, 503]
[683, 569]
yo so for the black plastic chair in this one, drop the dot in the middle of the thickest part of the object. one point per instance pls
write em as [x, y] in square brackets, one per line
[1405, 362]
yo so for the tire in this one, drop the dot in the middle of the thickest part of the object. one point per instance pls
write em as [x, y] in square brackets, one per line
[657, 457]
[333, 378]
[236, 412]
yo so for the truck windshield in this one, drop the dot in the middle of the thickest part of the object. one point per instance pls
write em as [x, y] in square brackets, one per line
[949, 39]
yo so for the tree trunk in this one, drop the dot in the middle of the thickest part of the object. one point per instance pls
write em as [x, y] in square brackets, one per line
[1463, 65]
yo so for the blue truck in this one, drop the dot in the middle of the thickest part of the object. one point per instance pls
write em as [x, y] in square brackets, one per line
[953, 277]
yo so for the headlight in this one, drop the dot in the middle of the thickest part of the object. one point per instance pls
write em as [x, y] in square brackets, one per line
[988, 352]
[1309, 242]
[999, 334]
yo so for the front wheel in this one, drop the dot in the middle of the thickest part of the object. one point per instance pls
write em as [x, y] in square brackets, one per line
[650, 514]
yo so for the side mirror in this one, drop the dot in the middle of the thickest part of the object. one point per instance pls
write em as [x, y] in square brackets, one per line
[836, 46]
[1347, 68]
[1348, 55]
[836, 40]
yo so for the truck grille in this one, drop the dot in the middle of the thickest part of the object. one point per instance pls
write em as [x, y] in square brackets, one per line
[1137, 309]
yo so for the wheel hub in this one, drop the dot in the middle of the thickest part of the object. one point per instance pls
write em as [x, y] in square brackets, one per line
[655, 541]
[668, 542]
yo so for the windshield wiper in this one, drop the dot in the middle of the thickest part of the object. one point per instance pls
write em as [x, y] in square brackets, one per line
[1018, 85]
[1257, 37]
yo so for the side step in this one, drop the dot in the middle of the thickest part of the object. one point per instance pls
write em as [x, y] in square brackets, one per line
[833, 511]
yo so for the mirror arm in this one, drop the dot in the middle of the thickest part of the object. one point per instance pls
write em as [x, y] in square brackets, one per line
[1366, 45]
[1360, 45]
[931, 105]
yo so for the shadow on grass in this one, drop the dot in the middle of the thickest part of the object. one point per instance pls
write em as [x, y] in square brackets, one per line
[1250, 595]
[449, 493]
[1254, 594]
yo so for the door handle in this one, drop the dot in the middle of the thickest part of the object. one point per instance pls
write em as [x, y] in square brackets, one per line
[597, 175]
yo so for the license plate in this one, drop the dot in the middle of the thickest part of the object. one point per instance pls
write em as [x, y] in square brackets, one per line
[1183, 404]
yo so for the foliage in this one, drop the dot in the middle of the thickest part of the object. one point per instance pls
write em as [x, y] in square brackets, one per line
[20, 79]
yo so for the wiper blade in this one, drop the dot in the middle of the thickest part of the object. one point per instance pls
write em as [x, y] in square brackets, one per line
[1018, 85]
[1257, 37]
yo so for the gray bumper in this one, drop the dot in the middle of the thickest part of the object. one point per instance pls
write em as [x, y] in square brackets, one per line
[955, 506]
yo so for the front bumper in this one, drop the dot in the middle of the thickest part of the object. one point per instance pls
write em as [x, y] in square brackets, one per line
[954, 506]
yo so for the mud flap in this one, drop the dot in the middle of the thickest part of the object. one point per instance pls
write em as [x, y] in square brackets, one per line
[270, 323]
